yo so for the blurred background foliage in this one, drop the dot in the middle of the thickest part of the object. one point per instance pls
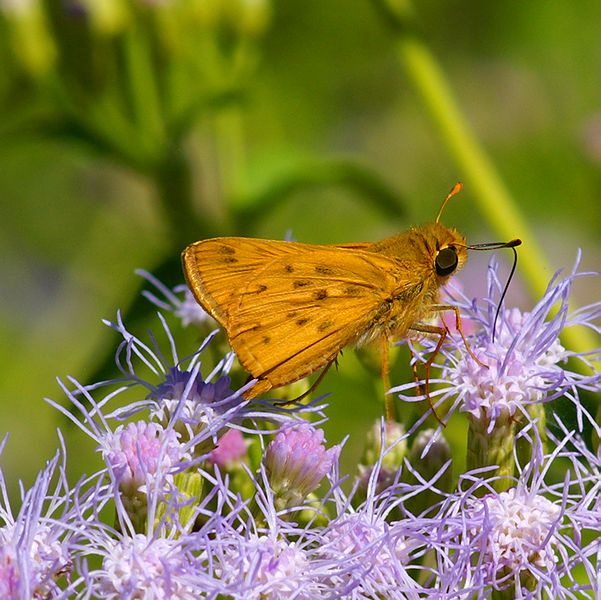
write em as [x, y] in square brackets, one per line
[129, 129]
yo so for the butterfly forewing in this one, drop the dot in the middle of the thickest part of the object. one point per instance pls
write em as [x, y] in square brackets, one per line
[290, 308]
[217, 269]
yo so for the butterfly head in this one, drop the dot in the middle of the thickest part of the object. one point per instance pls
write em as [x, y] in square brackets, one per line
[446, 249]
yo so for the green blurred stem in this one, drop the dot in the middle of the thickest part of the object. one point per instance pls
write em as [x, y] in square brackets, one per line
[231, 154]
[175, 189]
[494, 200]
[143, 91]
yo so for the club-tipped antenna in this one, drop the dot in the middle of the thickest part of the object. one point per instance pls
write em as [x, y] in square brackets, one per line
[495, 245]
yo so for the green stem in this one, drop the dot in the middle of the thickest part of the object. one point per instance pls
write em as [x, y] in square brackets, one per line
[175, 190]
[231, 156]
[494, 200]
[231, 150]
[143, 92]
[486, 448]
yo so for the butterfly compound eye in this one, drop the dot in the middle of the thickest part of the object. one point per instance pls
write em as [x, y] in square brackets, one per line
[446, 261]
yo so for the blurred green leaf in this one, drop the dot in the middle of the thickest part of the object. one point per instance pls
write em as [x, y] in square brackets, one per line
[370, 187]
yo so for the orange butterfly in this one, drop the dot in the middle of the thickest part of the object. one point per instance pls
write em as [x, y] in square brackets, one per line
[290, 308]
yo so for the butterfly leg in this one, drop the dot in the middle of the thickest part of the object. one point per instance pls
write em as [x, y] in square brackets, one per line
[389, 412]
[442, 333]
[313, 387]
[455, 309]
[415, 372]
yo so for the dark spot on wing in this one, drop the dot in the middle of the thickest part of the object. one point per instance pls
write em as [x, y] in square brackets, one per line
[325, 325]
[324, 270]
[320, 294]
[299, 283]
[261, 288]
[352, 290]
[302, 322]
[230, 259]
[226, 250]
[288, 268]
[291, 314]
[266, 339]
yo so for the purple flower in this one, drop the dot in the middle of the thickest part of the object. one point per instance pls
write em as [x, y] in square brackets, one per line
[200, 408]
[145, 567]
[265, 566]
[525, 361]
[138, 451]
[36, 545]
[375, 548]
[342, 551]
[231, 448]
[514, 530]
[194, 409]
[296, 461]
[367, 555]
[198, 401]
[523, 541]
[187, 310]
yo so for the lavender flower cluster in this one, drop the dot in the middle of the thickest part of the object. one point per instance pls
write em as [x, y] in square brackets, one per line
[203, 494]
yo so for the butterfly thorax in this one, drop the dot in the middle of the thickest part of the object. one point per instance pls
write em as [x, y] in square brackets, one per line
[414, 253]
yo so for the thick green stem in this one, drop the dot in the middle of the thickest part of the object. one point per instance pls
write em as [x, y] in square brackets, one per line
[174, 184]
[486, 448]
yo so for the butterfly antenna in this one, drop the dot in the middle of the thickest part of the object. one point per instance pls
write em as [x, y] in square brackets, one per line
[456, 189]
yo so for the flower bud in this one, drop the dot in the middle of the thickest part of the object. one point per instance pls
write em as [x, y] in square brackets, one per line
[230, 449]
[395, 449]
[296, 461]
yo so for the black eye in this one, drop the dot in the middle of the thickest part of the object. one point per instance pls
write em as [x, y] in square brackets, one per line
[446, 261]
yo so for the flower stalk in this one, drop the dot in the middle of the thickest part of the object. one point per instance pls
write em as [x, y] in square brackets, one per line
[488, 446]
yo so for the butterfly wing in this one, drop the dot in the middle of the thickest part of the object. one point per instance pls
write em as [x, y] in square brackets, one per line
[290, 308]
[217, 269]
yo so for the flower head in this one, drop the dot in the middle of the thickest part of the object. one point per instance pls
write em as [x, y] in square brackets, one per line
[523, 361]
[139, 567]
[262, 566]
[514, 530]
[138, 451]
[296, 461]
[36, 545]
[230, 448]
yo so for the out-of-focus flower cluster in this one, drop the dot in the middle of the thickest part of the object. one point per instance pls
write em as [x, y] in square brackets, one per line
[39, 31]
[204, 494]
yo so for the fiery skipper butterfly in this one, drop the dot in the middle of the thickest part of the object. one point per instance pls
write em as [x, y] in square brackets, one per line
[290, 308]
